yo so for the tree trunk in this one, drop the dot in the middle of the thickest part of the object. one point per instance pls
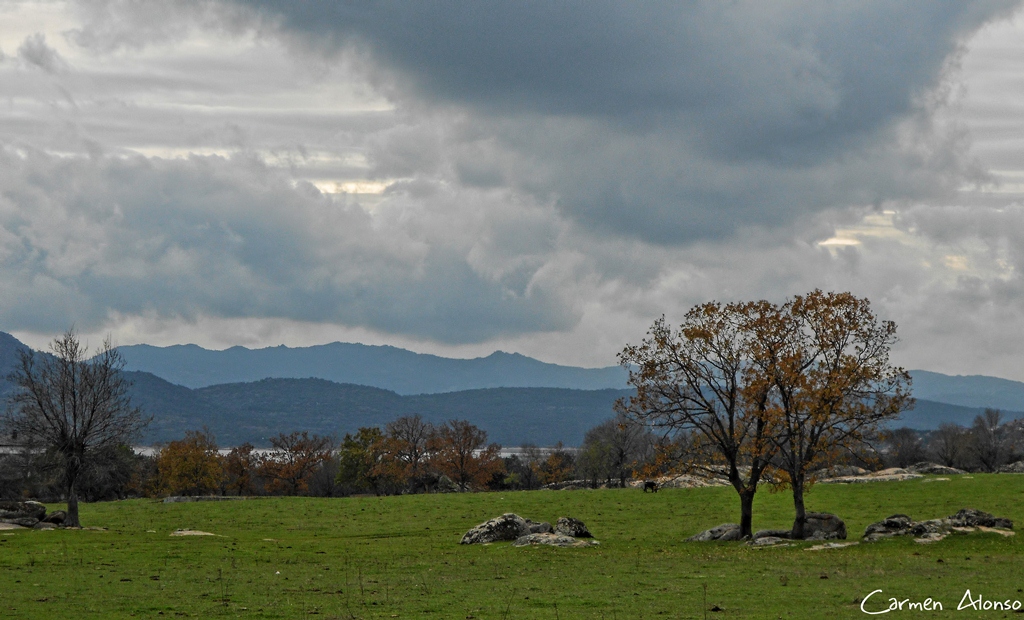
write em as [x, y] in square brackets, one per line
[71, 472]
[798, 504]
[747, 513]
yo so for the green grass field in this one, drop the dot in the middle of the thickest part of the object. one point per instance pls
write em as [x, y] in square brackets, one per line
[398, 557]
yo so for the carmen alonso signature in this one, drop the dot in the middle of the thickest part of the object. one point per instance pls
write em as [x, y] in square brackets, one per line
[967, 601]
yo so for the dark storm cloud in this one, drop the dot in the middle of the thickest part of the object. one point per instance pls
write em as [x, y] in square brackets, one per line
[81, 238]
[672, 121]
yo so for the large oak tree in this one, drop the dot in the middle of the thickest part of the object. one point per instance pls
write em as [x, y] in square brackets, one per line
[832, 385]
[697, 380]
[759, 385]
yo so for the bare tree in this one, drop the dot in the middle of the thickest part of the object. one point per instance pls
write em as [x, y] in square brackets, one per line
[990, 441]
[948, 444]
[904, 447]
[615, 447]
[73, 405]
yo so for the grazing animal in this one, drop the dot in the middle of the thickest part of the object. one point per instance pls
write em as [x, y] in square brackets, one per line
[650, 485]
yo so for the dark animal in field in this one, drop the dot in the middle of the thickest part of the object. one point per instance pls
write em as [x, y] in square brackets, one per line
[650, 485]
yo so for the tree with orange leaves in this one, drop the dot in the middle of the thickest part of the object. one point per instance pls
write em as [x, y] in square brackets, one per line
[241, 466]
[189, 466]
[825, 357]
[460, 451]
[758, 385]
[295, 459]
[697, 381]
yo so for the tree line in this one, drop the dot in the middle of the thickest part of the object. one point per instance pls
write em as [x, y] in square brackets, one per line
[985, 446]
[408, 455]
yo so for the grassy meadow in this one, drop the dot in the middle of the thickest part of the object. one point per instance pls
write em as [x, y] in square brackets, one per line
[399, 557]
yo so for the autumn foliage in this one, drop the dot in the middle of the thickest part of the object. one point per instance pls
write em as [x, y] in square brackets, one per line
[189, 466]
[754, 387]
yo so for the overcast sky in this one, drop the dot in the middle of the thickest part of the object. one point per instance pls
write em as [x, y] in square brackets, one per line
[540, 177]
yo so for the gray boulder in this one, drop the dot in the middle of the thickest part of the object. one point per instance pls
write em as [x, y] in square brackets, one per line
[824, 526]
[508, 526]
[1013, 468]
[568, 526]
[539, 528]
[771, 534]
[969, 517]
[22, 510]
[931, 527]
[22, 521]
[768, 541]
[895, 525]
[552, 539]
[840, 471]
[56, 517]
[43, 525]
[935, 469]
[725, 531]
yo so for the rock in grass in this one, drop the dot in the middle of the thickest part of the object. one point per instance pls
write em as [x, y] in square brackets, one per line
[568, 526]
[772, 533]
[824, 526]
[934, 468]
[934, 529]
[769, 541]
[552, 539]
[970, 517]
[1013, 468]
[894, 525]
[539, 528]
[508, 526]
[22, 521]
[56, 517]
[12, 512]
[725, 531]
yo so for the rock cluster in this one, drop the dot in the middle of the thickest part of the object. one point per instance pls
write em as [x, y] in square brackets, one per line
[1013, 468]
[965, 520]
[522, 532]
[935, 469]
[886, 475]
[819, 526]
[30, 514]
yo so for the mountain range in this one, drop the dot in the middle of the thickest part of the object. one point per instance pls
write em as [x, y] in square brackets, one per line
[389, 368]
[252, 394]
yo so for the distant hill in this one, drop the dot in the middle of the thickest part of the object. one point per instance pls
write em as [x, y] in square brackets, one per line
[515, 398]
[389, 368]
[254, 412]
[927, 415]
[969, 391]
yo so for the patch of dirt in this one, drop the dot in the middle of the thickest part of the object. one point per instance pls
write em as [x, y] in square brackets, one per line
[188, 532]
